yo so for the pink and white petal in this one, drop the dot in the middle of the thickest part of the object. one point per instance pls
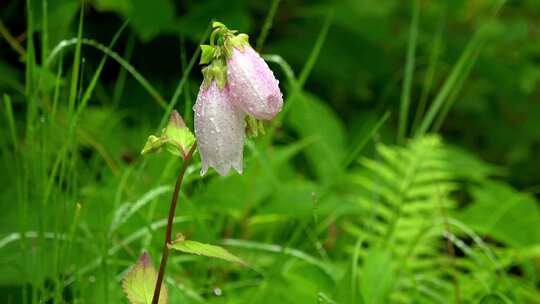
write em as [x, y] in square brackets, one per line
[219, 129]
[253, 86]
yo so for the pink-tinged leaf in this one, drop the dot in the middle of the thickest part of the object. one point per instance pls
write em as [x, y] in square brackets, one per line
[140, 281]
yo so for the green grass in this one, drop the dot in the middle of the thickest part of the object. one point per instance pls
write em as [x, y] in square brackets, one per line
[317, 216]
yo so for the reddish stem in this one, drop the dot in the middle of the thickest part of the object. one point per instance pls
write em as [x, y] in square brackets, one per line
[168, 233]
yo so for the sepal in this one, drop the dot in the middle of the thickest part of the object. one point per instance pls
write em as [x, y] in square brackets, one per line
[217, 71]
[254, 127]
[207, 53]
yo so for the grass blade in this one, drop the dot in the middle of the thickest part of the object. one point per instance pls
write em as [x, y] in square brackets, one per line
[304, 74]
[287, 70]
[188, 102]
[183, 80]
[267, 25]
[457, 71]
[44, 31]
[434, 56]
[126, 65]
[10, 119]
[121, 79]
[354, 153]
[97, 73]
[448, 86]
[12, 41]
[409, 72]
[453, 95]
[76, 64]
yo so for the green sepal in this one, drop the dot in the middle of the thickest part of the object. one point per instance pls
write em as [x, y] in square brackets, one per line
[207, 54]
[254, 127]
[239, 41]
[235, 42]
[217, 24]
[176, 138]
[216, 71]
[153, 144]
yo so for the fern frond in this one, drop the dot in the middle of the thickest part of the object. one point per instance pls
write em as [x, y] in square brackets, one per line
[406, 194]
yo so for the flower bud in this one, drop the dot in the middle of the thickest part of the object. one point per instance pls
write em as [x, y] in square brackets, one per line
[252, 84]
[176, 138]
[219, 128]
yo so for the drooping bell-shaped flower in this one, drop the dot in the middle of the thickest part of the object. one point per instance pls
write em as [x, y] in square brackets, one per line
[237, 85]
[252, 84]
[219, 129]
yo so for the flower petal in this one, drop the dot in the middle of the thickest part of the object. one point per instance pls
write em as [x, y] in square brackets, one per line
[219, 129]
[252, 84]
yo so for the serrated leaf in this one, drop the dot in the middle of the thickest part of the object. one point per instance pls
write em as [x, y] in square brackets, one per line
[207, 250]
[207, 54]
[140, 281]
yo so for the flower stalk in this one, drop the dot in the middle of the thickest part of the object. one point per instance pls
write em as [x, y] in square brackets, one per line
[168, 232]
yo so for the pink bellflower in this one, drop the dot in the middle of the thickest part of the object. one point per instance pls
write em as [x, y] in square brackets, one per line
[219, 129]
[238, 86]
[253, 86]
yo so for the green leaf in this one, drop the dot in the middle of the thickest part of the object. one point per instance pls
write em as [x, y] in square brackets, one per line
[140, 282]
[207, 54]
[504, 214]
[312, 117]
[378, 276]
[495, 298]
[208, 250]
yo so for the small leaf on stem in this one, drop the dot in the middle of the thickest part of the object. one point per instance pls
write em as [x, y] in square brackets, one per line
[207, 250]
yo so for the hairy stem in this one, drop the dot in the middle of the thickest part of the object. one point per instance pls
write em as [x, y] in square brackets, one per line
[168, 232]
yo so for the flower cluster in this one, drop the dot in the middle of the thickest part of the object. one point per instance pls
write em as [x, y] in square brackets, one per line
[237, 85]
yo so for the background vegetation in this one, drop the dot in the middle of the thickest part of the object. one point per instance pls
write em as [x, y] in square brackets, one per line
[403, 169]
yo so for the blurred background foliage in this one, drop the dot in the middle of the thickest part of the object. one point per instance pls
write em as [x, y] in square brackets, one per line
[451, 217]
